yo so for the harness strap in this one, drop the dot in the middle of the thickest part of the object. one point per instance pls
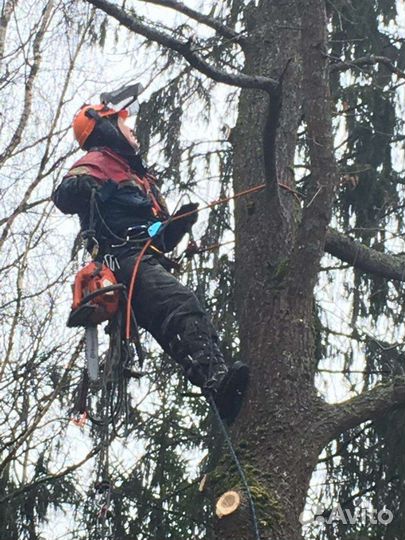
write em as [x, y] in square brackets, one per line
[156, 208]
[89, 236]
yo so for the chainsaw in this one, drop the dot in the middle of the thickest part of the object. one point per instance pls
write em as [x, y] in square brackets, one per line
[96, 296]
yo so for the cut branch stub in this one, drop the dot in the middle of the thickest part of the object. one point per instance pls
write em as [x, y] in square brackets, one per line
[227, 504]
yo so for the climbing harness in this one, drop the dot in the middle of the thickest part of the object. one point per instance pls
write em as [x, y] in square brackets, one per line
[157, 228]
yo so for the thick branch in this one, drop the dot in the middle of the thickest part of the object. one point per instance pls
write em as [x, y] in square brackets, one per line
[364, 258]
[185, 49]
[369, 405]
[222, 29]
[310, 241]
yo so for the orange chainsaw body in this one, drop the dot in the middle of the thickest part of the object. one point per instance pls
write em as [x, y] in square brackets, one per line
[95, 296]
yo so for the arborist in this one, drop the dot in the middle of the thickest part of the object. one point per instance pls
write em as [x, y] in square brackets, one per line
[127, 203]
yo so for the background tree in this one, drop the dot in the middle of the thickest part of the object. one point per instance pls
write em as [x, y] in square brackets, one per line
[312, 92]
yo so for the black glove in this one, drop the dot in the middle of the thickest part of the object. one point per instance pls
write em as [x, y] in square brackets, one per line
[188, 221]
[175, 230]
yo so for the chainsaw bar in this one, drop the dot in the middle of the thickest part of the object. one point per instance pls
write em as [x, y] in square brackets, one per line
[91, 336]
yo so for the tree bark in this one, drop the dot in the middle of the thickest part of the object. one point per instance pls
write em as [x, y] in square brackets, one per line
[274, 242]
[275, 345]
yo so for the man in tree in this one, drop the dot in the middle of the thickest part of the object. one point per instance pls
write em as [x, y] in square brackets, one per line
[125, 204]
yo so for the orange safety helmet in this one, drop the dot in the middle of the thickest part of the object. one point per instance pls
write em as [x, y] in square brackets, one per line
[86, 117]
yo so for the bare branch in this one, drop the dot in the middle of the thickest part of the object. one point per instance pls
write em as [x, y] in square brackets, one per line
[185, 49]
[212, 22]
[42, 410]
[23, 208]
[368, 61]
[16, 138]
[364, 258]
[41, 174]
[6, 13]
[369, 405]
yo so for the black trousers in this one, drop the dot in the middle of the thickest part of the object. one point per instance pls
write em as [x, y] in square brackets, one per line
[171, 313]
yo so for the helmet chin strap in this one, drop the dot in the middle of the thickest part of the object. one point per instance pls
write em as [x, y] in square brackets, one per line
[134, 143]
[128, 153]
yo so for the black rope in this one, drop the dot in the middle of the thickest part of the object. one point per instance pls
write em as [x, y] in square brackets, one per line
[103, 484]
[238, 466]
[104, 224]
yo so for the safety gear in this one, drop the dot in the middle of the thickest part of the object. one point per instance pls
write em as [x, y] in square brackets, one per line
[229, 394]
[207, 371]
[125, 198]
[87, 117]
[104, 164]
[206, 368]
[191, 209]
[195, 347]
[176, 229]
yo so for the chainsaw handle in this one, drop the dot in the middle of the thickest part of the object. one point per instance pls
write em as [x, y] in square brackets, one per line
[104, 290]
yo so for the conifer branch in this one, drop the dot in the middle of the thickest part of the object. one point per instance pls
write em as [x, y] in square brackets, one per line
[364, 258]
[368, 405]
[49, 478]
[368, 61]
[185, 49]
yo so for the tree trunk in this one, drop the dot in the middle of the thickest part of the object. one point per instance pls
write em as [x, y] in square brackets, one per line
[276, 319]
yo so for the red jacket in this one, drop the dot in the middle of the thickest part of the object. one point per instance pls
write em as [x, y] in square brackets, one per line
[104, 164]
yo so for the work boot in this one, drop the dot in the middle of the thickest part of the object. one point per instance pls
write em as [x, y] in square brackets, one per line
[227, 386]
[197, 350]
[230, 391]
[210, 364]
[207, 368]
